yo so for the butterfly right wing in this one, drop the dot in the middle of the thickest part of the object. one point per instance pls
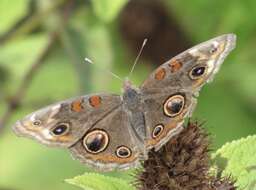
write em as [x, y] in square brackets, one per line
[170, 92]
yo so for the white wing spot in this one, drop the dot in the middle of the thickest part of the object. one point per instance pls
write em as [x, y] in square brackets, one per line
[54, 110]
[56, 107]
[46, 133]
[215, 44]
[211, 65]
[33, 117]
[193, 51]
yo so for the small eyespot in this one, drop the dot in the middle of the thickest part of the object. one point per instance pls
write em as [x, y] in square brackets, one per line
[60, 129]
[96, 141]
[174, 105]
[37, 123]
[213, 50]
[123, 152]
[197, 72]
[157, 130]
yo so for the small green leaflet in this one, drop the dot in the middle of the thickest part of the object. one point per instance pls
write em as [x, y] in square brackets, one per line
[238, 159]
[107, 10]
[95, 181]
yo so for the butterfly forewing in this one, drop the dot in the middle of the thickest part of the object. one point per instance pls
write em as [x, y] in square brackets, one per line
[64, 123]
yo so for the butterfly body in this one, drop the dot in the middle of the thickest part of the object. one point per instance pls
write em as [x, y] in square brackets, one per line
[131, 99]
[111, 131]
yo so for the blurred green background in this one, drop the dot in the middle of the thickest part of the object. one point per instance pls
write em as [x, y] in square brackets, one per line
[50, 39]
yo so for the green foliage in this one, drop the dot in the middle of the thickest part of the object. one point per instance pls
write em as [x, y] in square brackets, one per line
[17, 56]
[107, 10]
[238, 159]
[94, 181]
[10, 15]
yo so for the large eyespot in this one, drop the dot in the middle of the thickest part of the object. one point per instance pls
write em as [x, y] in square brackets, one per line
[96, 141]
[123, 152]
[157, 130]
[36, 123]
[197, 71]
[60, 129]
[174, 105]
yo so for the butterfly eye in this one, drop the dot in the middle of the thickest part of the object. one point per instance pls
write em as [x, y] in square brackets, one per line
[60, 129]
[96, 141]
[197, 72]
[157, 130]
[123, 152]
[173, 106]
[37, 123]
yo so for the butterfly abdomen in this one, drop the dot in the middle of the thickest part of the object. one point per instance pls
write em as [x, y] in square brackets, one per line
[133, 105]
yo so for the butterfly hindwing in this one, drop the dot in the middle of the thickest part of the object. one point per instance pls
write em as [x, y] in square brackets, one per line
[109, 144]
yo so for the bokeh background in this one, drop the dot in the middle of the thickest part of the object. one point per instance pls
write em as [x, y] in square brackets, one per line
[43, 44]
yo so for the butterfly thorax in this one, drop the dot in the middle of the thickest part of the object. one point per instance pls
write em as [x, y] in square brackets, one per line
[131, 96]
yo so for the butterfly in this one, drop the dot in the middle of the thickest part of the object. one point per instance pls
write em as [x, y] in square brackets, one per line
[109, 131]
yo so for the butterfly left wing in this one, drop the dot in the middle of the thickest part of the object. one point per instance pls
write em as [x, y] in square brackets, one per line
[170, 91]
[62, 124]
[95, 128]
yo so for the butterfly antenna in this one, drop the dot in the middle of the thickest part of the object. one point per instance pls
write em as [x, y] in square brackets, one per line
[138, 56]
[87, 60]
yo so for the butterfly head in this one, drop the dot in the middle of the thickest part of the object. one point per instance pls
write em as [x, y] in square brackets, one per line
[127, 84]
[43, 127]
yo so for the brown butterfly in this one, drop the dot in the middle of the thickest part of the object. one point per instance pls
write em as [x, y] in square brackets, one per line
[110, 131]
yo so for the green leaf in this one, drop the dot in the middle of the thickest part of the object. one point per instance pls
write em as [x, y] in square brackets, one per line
[17, 56]
[107, 10]
[11, 12]
[238, 159]
[90, 39]
[18, 171]
[94, 181]
[232, 16]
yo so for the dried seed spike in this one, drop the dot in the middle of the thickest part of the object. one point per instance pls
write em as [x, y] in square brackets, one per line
[182, 164]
